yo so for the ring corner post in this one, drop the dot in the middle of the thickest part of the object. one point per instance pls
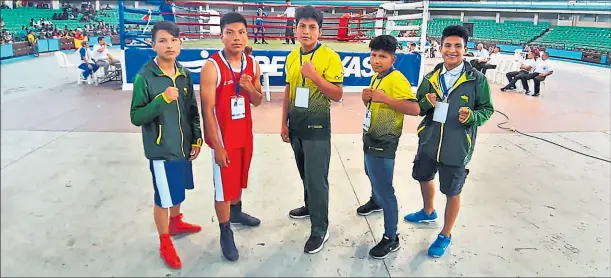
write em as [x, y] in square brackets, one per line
[423, 29]
[121, 6]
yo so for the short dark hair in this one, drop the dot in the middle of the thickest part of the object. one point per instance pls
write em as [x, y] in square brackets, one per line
[386, 43]
[165, 25]
[307, 12]
[100, 38]
[498, 48]
[232, 17]
[455, 31]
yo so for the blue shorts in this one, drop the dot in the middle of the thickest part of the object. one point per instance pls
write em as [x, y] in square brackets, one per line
[170, 180]
[258, 23]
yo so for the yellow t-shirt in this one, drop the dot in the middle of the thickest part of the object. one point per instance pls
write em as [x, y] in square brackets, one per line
[386, 126]
[313, 122]
[31, 38]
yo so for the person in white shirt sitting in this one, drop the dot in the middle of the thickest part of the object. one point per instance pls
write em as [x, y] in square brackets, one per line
[526, 68]
[491, 62]
[542, 70]
[101, 56]
[481, 56]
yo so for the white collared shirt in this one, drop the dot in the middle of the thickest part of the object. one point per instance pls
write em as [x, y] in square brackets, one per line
[542, 66]
[290, 12]
[451, 76]
[495, 59]
[481, 53]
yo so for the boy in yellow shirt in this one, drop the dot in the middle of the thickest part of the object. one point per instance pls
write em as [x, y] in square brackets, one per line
[388, 99]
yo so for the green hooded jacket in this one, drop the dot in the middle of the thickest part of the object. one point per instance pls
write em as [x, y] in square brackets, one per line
[169, 128]
[453, 142]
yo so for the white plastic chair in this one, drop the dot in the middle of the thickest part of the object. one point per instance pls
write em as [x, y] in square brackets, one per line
[64, 63]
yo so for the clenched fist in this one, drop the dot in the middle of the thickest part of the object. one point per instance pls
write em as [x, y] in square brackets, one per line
[463, 114]
[379, 96]
[171, 93]
[308, 70]
[432, 98]
[366, 95]
[246, 83]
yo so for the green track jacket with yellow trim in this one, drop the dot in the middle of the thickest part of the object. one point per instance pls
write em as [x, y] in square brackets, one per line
[169, 128]
[453, 142]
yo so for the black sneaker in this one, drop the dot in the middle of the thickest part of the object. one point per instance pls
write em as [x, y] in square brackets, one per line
[315, 243]
[368, 208]
[527, 93]
[535, 95]
[384, 247]
[230, 251]
[299, 213]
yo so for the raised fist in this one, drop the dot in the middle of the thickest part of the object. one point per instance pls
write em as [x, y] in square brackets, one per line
[171, 93]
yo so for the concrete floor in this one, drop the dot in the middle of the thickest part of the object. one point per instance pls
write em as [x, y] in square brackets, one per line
[76, 193]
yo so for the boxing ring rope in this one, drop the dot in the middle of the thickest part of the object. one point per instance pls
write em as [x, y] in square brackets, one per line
[358, 25]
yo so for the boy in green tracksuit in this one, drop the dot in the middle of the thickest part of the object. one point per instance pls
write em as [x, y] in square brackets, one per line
[164, 105]
[454, 99]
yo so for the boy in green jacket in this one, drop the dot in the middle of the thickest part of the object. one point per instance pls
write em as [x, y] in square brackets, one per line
[164, 105]
[454, 99]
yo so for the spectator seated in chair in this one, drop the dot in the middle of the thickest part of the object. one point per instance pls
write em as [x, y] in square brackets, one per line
[482, 57]
[87, 65]
[543, 69]
[493, 60]
[526, 69]
[102, 57]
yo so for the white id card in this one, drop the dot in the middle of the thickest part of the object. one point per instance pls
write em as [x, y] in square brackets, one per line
[238, 108]
[302, 96]
[367, 121]
[441, 112]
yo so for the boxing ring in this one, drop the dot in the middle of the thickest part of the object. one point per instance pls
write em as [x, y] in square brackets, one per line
[348, 34]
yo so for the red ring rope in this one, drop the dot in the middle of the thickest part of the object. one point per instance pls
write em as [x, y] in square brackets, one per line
[201, 3]
[198, 35]
[267, 17]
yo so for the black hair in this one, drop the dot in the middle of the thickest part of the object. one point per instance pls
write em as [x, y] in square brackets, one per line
[232, 17]
[386, 43]
[100, 38]
[498, 48]
[287, 1]
[168, 26]
[455, 31]
[308, 12]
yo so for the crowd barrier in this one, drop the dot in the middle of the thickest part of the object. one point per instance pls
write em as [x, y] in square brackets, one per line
[9, 50]
[356, 64]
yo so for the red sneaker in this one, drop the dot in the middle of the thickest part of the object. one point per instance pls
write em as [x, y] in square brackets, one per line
[177, 226]
[168, 253]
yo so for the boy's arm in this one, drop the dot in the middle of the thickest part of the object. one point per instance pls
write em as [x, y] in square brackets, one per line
[331, 83]
[421, 96]
[207, 92]
[483, 108]
[403, 99]
[195, 117]
[142, 111]
[254, 88]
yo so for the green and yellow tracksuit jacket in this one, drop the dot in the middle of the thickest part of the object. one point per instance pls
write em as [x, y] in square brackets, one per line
[169, 128]
[453, 142]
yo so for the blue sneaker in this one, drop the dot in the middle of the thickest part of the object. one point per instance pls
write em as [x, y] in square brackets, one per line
[421, 217]
[438, 248]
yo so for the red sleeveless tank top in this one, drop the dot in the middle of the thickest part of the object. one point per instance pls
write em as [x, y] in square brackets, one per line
[233, 133]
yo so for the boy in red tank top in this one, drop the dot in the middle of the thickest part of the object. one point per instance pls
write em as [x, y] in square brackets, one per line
[229, 85]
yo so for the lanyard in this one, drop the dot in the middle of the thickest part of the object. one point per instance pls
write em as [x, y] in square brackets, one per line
[380, 82]
[301, 62]
[236, 84]
[444, 89]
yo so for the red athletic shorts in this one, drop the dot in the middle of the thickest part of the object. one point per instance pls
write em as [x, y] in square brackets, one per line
[229, 181]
